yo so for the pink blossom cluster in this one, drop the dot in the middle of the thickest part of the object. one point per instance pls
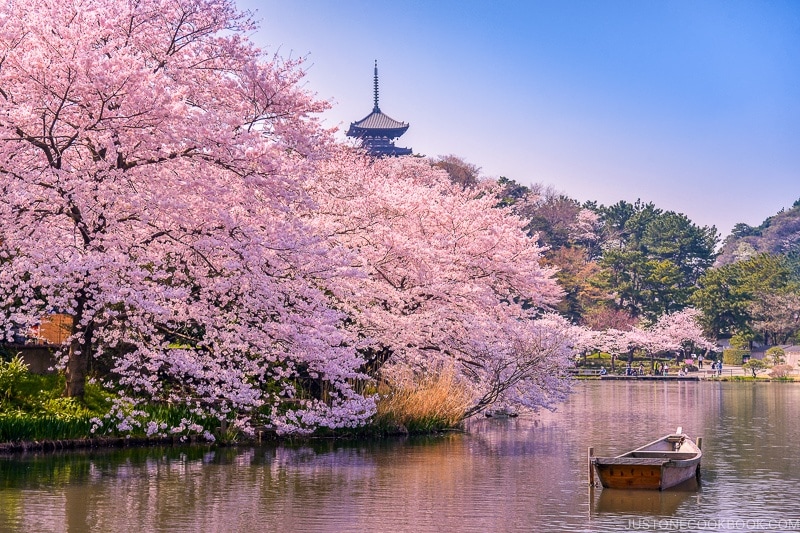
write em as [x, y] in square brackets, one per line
[670, 333]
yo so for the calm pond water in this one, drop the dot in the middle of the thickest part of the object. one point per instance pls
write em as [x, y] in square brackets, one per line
[523, 474]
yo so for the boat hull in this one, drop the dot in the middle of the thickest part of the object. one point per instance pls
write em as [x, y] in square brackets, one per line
[638, 476]
[662, 464]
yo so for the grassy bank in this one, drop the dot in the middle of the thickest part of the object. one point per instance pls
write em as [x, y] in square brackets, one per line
[31, 406]
[758, 379]
[32, 410]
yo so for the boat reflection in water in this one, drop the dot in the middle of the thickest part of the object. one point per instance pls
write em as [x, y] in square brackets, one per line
[646, 502]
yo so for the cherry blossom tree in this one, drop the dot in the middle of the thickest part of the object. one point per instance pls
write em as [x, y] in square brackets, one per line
[152, 165]
[166, 184]
[450, 280]
[674, 331]
[671, 333]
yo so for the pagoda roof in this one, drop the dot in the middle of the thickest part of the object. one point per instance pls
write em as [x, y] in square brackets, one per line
[377, 124]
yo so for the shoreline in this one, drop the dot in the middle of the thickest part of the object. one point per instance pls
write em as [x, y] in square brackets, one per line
[105, 443]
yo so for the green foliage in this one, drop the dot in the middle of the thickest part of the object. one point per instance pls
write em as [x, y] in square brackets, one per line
[40, 395]
[657, 258]
[755, 366]
[65, 408]
[744, 230]
[672, 236]
[725, 294]
[643, 287]
[24, 427]
[11, 372]
[512, 191]
[625, 273]
[776, 355]
[32, 407]
[741, 341]
[733, 356]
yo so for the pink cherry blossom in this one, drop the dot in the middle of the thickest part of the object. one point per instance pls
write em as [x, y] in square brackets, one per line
[168, 185]
[449, 279]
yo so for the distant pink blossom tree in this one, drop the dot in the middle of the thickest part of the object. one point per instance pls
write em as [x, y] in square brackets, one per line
[675, 330]
[671, 333]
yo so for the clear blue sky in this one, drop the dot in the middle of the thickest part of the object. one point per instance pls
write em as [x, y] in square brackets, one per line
[693, 105]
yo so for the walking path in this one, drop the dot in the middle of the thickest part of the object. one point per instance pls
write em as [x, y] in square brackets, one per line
[705, 373]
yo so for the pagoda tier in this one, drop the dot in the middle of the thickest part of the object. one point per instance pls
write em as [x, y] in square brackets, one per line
[382, 146]
[376, 124]
[377, 131]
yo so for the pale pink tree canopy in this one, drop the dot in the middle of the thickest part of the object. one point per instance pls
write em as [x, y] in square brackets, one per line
[167, 184]
[152, 163]
[449, 279]
[670, 333]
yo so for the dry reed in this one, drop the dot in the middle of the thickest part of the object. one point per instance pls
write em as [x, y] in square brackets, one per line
[420, 404]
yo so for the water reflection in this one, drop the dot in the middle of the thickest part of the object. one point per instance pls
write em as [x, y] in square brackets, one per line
[646, 502]
[523, 474]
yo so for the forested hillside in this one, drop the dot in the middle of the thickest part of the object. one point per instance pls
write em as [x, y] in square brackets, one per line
[632, 263]
[779, 234]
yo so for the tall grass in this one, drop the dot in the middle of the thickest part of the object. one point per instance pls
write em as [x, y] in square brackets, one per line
[425, 404]
[24, 427]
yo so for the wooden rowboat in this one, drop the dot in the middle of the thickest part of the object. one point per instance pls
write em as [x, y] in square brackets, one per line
[663, 463]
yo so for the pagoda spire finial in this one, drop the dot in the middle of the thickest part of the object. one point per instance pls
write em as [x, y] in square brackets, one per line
[376, 109]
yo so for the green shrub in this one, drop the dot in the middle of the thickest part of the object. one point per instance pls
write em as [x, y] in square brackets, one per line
[32, 408]
[65, 408]
[25, 427]
[755, 366]
[733, 356]
[11, 373]
[776, 355]
[741, 341]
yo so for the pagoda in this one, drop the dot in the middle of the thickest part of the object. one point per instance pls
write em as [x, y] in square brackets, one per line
[378, 131]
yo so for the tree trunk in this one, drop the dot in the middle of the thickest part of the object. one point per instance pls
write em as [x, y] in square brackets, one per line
[79, 352]
[77, 369]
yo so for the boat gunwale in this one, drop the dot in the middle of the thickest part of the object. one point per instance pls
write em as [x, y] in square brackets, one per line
[627, 459]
